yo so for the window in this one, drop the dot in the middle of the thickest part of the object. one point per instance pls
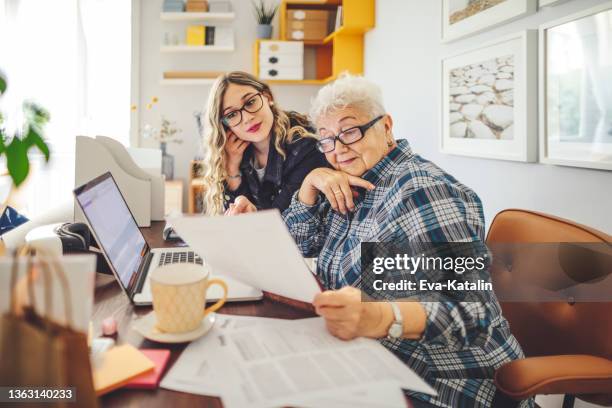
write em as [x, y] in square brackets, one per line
[73, 57]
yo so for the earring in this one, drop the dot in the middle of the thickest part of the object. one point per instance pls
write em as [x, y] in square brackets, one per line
[389, 143]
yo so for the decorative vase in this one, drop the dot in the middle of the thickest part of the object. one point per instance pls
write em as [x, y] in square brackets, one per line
[264, 31]
[167, 162]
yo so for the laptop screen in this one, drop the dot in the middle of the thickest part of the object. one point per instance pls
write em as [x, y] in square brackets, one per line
[114, 226]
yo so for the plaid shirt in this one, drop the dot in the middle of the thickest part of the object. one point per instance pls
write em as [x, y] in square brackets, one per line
[416, 201]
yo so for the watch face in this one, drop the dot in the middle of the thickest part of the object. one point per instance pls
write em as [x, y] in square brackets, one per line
[395, 331]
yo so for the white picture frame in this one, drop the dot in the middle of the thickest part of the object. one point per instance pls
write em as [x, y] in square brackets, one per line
[478, 121]
[586, 86]
[547, 3]
[503, 12]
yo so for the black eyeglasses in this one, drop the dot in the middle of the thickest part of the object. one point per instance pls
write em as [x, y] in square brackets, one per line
[346, 137]
[252, 105]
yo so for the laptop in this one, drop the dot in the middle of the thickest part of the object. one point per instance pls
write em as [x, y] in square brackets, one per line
[126, 250]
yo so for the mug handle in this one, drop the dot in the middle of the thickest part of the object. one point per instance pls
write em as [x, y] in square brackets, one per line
[219, 302]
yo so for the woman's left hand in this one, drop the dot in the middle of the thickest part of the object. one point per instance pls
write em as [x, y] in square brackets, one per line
[240, 205]
[347, 317]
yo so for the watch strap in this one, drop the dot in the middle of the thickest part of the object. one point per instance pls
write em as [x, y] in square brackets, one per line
[397, 327]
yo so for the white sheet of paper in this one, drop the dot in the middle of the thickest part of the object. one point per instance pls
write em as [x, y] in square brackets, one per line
[278, 362]
[382, 395]
[254, 248]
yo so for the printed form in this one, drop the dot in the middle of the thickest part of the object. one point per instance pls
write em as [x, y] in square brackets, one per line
[260, 362]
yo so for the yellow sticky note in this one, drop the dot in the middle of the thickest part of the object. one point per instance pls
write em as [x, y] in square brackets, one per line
[118, 366]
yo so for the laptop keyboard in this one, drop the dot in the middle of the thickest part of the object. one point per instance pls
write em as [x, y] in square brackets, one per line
[166, 258]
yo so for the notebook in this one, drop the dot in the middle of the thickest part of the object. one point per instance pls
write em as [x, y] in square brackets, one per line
[150, 380]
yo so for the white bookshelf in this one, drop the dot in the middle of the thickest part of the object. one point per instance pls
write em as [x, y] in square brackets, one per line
[196, 48]
[187, 16]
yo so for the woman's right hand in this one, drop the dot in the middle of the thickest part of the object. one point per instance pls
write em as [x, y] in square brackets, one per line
[336, 186]
[234, 150]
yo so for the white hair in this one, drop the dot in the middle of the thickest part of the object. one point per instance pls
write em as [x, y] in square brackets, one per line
[348, 91]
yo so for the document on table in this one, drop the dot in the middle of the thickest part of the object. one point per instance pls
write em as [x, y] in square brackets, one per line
[258, 362]
[255, 248]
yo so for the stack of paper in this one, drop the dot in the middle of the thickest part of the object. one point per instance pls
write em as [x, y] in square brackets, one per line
[260, 362]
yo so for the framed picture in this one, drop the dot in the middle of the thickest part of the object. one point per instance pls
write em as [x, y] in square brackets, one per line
[489, 100]
[461, 18]
[576, 89]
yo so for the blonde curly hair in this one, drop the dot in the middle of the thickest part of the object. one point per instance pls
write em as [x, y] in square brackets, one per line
[215, 137]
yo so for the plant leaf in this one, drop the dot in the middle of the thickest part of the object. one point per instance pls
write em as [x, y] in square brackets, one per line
[34, 138]
[35, 113]
[17, 161]
[2, 139]
[2, 84]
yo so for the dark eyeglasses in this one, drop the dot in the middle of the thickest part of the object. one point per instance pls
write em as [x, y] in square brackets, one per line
[252, 105]
[346, 137]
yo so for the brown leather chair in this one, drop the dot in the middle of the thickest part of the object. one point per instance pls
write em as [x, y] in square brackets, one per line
[568, 345]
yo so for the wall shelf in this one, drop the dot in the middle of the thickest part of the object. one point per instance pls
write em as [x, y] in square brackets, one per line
[300, 82]
[187, 81]
[196, 48]
[314, 2]
[187, 16]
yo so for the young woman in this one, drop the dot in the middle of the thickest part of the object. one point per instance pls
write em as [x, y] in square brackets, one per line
[254, 148]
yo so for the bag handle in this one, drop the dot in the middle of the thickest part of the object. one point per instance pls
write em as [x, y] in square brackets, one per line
[59, 272]
[18, 253]
[47, 272]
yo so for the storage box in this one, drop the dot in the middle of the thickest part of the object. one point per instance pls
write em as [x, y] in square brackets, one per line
[196, 6]
[297, 14]
[282, 47]
[219, 6]
[280, 72]
[281, 60]
[170, 6]
[307, 29]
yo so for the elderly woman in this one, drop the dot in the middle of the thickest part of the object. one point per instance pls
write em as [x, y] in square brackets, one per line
[380, 191]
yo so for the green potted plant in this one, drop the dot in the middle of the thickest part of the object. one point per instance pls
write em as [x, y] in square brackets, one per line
[15, 147]
[265, 15]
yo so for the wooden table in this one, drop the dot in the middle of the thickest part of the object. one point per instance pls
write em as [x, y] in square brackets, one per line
[111, 301]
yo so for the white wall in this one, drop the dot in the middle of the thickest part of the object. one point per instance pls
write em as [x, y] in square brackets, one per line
[403, 55]
[179, 102]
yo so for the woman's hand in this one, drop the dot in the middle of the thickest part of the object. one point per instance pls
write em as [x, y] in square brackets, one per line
[240, 205]
[336, 186]
[347, 317]
[234, 150]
